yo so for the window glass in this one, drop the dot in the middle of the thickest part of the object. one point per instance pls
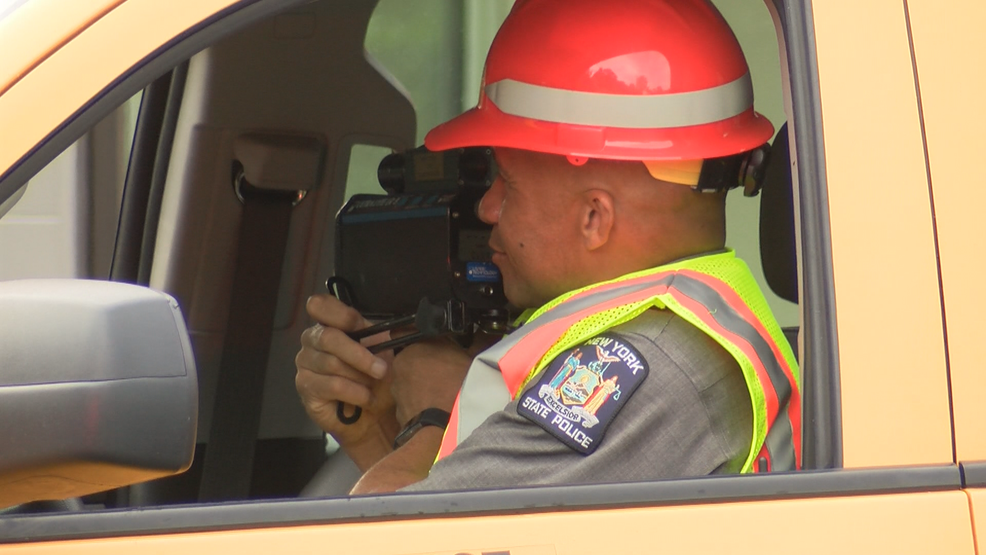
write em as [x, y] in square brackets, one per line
[362, 175]
[64, 225]
[436, 49]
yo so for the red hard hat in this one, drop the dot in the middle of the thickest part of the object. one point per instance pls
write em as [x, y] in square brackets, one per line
[615, 79]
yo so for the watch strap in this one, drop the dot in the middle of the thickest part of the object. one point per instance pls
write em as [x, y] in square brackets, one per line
[428, 417]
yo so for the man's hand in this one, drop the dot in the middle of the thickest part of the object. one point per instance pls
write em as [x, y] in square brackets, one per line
[333, 368]
[428, 374]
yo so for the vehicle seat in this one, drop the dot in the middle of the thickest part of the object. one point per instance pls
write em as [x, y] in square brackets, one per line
[778, 249]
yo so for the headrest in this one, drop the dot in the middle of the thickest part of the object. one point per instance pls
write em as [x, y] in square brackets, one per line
[778, 251]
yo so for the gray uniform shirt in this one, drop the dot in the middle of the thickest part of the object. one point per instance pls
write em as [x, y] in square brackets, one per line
[690, 416]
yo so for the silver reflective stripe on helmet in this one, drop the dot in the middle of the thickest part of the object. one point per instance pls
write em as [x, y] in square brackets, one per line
[622, 110]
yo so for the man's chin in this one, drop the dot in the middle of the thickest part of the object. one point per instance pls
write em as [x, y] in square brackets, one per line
[521, 299]
[513, 297]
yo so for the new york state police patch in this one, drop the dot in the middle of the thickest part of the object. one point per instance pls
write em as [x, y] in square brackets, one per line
[581, 391]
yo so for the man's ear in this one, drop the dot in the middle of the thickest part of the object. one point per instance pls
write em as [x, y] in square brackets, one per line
[598, 217]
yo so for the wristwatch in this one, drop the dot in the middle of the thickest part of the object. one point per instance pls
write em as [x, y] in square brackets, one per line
[427, 417]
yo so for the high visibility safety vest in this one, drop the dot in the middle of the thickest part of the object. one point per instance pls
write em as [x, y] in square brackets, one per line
[716, 293]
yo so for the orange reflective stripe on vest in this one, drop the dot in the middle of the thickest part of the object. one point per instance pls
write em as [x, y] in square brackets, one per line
[450, 440]
[722, 310]
[705, 301]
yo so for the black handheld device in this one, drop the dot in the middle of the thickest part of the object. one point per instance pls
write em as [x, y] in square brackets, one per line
[419, 254]
[421, 250]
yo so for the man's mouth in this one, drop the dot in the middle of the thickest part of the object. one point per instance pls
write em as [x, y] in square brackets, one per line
[494, 245]
[497, 253]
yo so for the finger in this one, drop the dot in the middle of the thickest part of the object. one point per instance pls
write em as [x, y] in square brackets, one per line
[326, 364]
[347, 350]
[317, 391]
[330, 311]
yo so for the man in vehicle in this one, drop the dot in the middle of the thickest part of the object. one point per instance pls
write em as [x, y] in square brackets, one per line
[617, 128]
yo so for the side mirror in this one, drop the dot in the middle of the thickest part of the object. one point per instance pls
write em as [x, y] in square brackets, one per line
[98, 388]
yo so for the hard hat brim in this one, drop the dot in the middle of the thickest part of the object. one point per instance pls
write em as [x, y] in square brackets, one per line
[488, 126]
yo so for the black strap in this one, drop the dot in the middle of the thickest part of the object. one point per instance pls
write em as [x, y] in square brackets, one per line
[228, 465]
[428, 417]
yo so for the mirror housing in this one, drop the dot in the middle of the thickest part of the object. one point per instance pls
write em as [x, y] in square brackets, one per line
[98, 388]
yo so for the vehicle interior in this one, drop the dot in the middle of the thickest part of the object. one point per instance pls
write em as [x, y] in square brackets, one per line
[306, 102]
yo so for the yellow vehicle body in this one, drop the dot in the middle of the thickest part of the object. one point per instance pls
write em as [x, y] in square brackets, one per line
[898, 134]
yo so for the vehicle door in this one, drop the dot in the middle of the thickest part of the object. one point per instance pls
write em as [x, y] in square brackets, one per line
[949, 68]
[881, 468]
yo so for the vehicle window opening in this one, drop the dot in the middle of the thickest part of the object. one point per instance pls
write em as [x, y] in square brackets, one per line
[752, 23]
[458, 48]
[361, 175]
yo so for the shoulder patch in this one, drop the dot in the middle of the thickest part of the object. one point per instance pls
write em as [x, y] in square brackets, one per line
[581, 391]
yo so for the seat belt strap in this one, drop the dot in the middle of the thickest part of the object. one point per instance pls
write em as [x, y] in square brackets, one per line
[229, 454]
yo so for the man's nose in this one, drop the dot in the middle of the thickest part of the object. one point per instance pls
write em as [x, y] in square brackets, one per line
[488, 208]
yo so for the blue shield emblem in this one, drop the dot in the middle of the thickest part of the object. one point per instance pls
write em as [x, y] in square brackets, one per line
[581, 391]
